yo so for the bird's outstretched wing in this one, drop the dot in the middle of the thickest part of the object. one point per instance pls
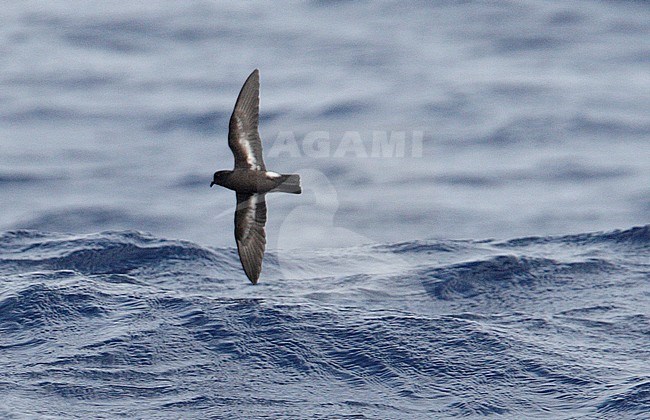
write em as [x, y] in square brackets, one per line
[243, 136]
[250, 218]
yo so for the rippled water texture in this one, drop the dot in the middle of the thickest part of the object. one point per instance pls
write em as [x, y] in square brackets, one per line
[127, 324]
[535, 125]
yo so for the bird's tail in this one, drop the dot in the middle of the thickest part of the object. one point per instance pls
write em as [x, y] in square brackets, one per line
[289, 184]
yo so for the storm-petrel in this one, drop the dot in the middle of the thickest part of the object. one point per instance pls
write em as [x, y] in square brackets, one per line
[250, 179]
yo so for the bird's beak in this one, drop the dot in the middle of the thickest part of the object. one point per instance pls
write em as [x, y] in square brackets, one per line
[211, 184]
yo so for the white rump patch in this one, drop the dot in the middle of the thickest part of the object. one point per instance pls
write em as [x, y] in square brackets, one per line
[273, 174]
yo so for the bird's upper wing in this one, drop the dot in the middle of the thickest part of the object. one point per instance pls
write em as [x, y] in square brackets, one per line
[250, 218]
[243, 136]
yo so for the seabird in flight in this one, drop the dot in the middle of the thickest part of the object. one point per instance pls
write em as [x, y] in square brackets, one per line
[250, 179]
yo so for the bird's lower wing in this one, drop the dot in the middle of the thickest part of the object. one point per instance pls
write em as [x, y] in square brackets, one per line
[250, 219]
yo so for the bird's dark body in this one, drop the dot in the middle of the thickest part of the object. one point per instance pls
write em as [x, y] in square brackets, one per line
[253, 181]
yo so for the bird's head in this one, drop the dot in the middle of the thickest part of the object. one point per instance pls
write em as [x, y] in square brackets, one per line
[219, 178]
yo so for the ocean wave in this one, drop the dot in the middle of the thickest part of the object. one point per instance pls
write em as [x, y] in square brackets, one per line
[487, 277]
[454, 329]
[636, 236]
[119, 252]
[634, 400]
[103, 253]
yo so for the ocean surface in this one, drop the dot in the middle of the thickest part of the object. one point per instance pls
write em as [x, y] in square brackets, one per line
[124, 324]
[473, 237]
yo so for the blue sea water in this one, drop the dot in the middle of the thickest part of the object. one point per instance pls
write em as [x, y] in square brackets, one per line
[502, 269]
[124, 324]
